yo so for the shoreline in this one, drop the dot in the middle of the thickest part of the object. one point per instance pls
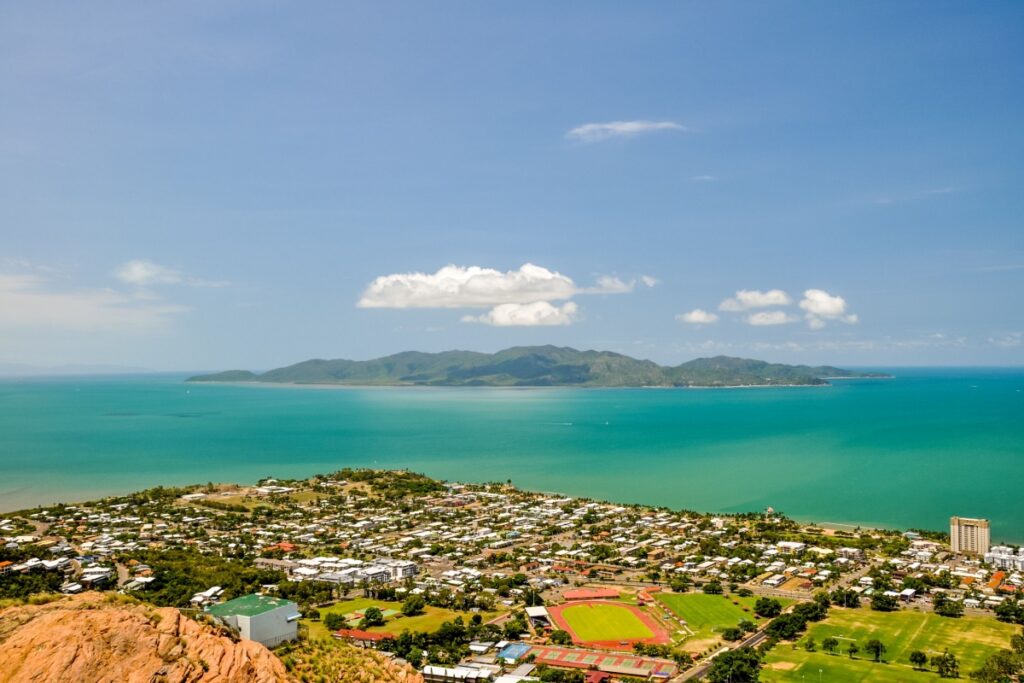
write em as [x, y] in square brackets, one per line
[324, 385]
[74, 500]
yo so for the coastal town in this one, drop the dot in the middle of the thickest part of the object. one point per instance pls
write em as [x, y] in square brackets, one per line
[486, 582]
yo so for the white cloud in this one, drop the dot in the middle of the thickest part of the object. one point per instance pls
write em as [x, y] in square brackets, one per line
[596, 132]
[26, 301]
[697, 316]
[747, 299]
[764, 318]
[472, 287]
[145, 273]
[649, 280]
[820, 306]
[516, 297]
[1008, 341]
[538, 313]
[609, 284]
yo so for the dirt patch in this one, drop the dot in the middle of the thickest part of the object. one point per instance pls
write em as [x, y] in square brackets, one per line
[699, 645]
[781, 666]
[796, 584]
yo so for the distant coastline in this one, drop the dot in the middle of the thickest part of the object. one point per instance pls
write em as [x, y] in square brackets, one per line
[539, 366]
[832, 526]
[521, 387]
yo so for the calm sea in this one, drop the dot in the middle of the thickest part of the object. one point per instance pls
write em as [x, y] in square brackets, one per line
[906, 452]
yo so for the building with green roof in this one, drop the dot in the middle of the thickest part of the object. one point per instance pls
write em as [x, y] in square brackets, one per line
[263, 618]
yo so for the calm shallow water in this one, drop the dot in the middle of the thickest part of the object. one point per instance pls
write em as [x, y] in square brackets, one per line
[907, 452]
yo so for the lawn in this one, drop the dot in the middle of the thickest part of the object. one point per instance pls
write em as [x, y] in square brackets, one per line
[429, 621]
[306, 496]
[971, 639]
[592, 622]
[707, 615]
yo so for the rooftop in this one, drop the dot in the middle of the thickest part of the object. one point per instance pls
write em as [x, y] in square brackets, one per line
[248, 606]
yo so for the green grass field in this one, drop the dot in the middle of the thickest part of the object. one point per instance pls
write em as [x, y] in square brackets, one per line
[605, 622]
[427, 622]
[707, 615]
[971, 639]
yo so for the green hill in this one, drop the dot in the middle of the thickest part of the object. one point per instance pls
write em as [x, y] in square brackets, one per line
[537, 366]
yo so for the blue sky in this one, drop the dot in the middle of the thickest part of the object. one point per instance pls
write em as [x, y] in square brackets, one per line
[245, 184]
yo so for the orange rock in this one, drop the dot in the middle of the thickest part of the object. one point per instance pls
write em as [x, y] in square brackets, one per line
[90, 637]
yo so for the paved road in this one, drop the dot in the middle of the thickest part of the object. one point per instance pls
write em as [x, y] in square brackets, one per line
[753, 640]
[698, 672]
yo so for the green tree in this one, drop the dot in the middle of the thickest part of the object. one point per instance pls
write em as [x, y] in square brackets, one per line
[1002, 667]
[786, 626]
[334, 621]
[560, 637]
[733, 633]
[883, 603]
[514, 627]
[919, 659]
[876, 648]
[413, 605]
[742, 665]
[683, 658]
[830, 645]
[852, 650]
[945, 607]
[1009, 611]
[767, 607]
[371, 617]
[712, 588]
[680, 584]
[811, 611]
[846, 597]
[946, 665]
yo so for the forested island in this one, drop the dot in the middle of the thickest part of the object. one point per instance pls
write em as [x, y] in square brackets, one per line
[538, 366]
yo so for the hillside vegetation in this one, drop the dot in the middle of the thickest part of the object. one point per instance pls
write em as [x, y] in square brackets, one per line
[537, 366]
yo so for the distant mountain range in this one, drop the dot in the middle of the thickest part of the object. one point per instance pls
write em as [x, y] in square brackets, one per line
[538, 366]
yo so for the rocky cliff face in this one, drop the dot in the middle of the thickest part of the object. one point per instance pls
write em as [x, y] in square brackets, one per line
[104, 638]
[92, 637]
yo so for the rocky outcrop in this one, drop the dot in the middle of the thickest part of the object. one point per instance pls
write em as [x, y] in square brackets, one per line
[105, 638]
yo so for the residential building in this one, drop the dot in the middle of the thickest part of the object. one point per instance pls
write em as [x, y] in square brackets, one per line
[969, 536]
[1003, 557]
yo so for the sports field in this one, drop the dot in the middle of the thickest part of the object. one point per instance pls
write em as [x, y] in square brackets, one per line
[606, 624]
[971, 639]
[605, 621]
[705, 616]
[701, 611]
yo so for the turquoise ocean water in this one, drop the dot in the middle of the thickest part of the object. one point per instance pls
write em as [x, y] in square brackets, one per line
[906, 452]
